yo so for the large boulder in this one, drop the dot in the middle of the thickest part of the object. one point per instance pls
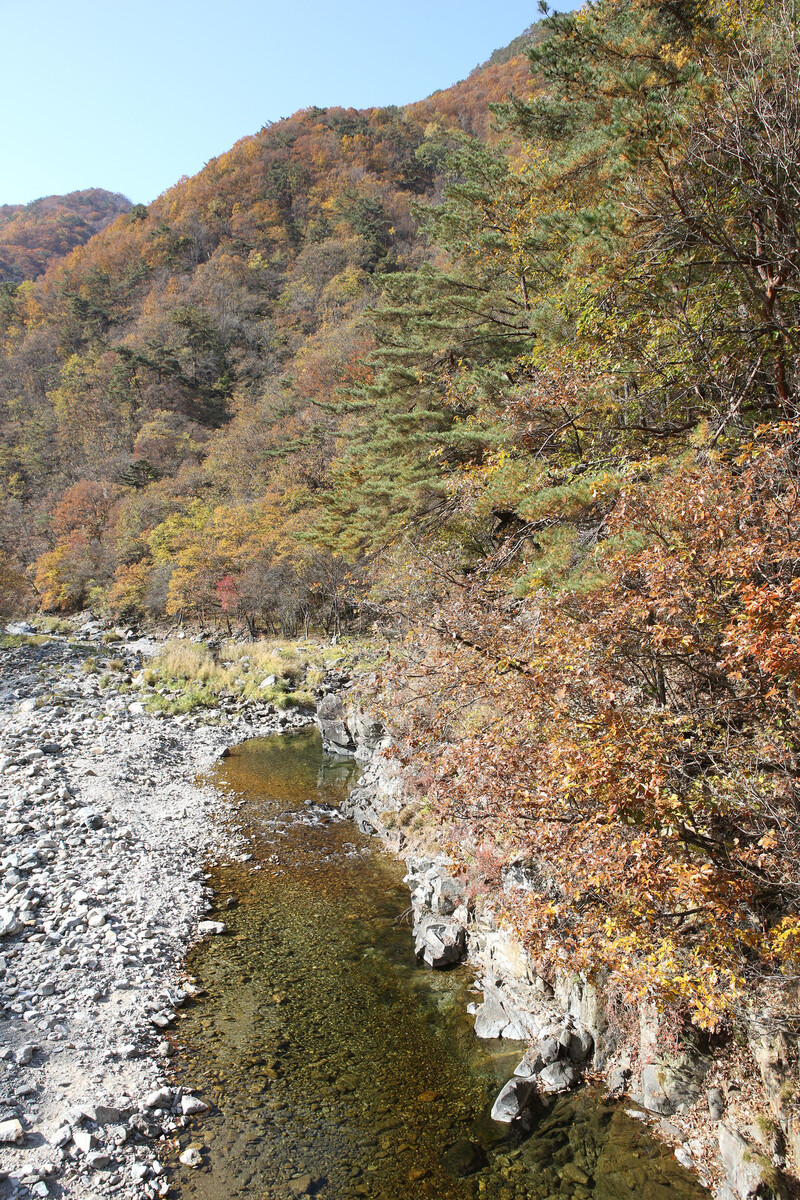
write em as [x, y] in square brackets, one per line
[531, 1063]
[558, 1077]
[365, 731]
[348, 730]
[579, 1044]
[448, 895]
[493, 1020]
[440, 941]
[514, 1099]
[490, 1019]
[332, 722]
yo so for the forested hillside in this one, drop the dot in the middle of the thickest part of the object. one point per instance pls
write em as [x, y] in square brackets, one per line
[32, 236]
[185, 366]
[524, 385]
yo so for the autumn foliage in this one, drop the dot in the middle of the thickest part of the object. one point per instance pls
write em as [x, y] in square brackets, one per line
[32, 236]
[515, 388]
[633, 743]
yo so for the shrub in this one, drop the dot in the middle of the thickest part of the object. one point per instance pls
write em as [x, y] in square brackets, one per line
[267, 658]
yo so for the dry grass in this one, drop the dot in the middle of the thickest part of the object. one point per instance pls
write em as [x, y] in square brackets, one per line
[185, 660]
[57, 625]
[266, 658]
[237, 669]
[195, 676]
[315, 676]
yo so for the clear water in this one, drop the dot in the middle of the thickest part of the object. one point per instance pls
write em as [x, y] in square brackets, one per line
[338, 1067]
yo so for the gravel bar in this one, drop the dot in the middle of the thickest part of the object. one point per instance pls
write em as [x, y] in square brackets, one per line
[105, 838]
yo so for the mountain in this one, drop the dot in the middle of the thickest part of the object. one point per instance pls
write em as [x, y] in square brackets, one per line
[216, 327]
[32, 236]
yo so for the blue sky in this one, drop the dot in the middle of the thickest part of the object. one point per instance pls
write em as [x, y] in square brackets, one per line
[130, 96]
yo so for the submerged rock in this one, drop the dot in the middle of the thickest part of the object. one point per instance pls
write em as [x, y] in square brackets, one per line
[191, 1157]
[305, 1185]
[465, 1158]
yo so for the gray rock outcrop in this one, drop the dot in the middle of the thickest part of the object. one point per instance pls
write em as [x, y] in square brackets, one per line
[565, 1018]
[749, 1176]
[336, 737]
[772, 1050]
[439, 941]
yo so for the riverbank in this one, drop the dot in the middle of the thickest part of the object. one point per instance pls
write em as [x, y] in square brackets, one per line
[106, 842]
[106, 836]
[726, 1105]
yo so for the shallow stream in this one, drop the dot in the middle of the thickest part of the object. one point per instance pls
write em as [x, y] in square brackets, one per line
[338, 1066]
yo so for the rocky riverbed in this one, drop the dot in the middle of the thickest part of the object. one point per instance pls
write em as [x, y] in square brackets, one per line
[105, 848]
[105, 838]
